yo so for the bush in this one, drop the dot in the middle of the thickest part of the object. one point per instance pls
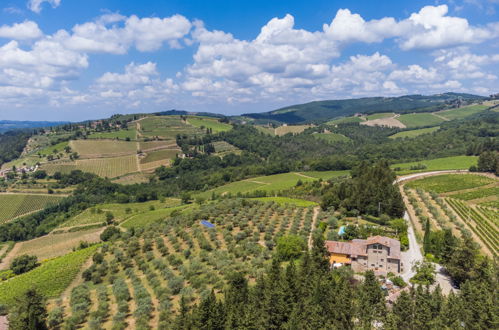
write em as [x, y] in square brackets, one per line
[290, 247]
[23, 264]
[110, 233]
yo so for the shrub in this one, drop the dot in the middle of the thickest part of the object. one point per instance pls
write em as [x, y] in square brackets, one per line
[23, 264]
[290, 247]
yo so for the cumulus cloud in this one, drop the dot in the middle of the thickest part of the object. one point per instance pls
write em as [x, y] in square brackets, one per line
[115, 34]
[36, 5]
[21, 31]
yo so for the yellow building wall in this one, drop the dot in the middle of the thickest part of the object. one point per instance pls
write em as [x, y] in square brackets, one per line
[339, 258]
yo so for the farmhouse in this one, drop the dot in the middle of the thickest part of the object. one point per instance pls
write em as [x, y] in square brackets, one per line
[378, 253]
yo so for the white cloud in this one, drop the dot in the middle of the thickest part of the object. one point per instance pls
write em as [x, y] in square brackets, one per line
[21, 31]
[36, 5]
[115, 34]
[416, 74]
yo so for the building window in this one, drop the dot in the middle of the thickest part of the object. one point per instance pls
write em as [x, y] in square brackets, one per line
[382, 260]
[372, 265]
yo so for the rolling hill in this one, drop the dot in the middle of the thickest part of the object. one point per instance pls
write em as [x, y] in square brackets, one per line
[319, 111]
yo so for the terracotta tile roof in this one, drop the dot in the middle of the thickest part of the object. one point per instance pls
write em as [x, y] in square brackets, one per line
[358, 247]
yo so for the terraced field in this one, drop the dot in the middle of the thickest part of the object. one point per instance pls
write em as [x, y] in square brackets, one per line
[103, 148]
[15, 205]
[182, 258]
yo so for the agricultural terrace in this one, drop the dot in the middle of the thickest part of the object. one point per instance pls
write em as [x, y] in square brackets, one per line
[15, 205]
[331, 137]
[182, 258]
[51, 278]
[415, 132]
[462, 112]
[293, 129]
[53, 245]
[120, 212]
[207, 122]
[269, 184]
[437, 164]
[103, 148]
[122, 134]
[420, 119]
[453, 201]
[167, 127]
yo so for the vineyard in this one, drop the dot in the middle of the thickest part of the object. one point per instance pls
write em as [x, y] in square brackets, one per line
[167, 127]
[109, 167]
[103, 148]
[15, 205]
[211, 123]
[121, 134]
[138, 283]
[448, 201]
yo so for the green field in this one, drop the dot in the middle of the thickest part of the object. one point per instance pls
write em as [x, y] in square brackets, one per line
[132, 179]
[97, 214]
[54, 149]
[265, 130]
[122, 134]
[414, 132]
[475, 194]
[50, 279]
[462, 112]
[103, 148]
[146, 145]
[287, 201]
[450, 182]
[167, 127]
[380, 115]
[271, 183]
[146, 218]
[331, 137]
[419, 120]
[207, 122]
[293, 129]
[15, 205]
[438, 164]
[345, 120]
[163, 154]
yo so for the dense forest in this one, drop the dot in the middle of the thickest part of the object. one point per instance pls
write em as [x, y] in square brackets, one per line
[12, 144]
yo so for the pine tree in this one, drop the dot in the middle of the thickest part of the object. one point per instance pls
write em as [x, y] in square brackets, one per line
[28, 312]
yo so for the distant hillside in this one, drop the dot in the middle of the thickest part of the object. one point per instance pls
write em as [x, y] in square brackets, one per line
[319, 111]
[8, 125]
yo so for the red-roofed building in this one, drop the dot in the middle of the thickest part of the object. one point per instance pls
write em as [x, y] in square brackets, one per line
[378, 253]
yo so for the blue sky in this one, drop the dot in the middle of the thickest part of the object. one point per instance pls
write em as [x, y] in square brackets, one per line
[75, 60]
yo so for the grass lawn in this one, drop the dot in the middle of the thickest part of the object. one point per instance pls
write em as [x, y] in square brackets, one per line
[415, 132]
[287, 201]
[121, 134]
[331, 137]
[419, 119]
[438, 164]
[450, 182]
[207, 122]
[462, 112]
[51, 278]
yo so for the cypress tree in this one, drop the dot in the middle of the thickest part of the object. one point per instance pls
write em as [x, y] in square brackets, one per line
[236, 300]
[403, 312]
[371, 302]
[427, 237]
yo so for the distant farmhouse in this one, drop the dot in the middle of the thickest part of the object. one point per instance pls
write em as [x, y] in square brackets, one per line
[378, 253]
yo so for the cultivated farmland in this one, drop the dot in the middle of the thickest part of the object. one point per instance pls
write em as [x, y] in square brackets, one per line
[415, 132]
[207, 122]
[167, 127]
[437, 164]
[103, 148]
[420, 119]
[294, 129]
[462, 112]
[109, 167]
[182, 258]
[15, 205]
[450, 182]
[121, 134]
